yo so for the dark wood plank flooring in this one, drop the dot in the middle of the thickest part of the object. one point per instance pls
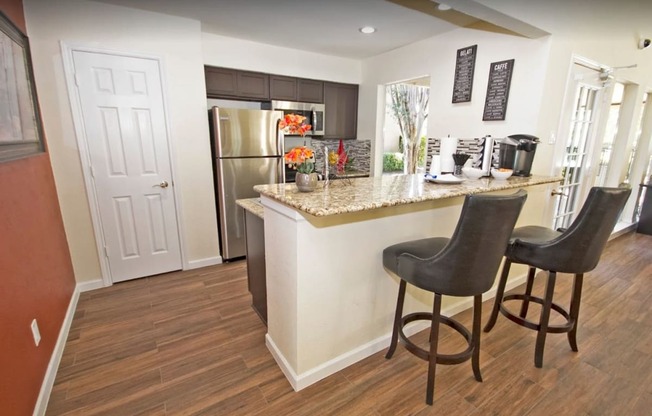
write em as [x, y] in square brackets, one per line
[189, 343]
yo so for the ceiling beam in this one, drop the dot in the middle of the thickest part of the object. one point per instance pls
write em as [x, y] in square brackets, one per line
[473, 15]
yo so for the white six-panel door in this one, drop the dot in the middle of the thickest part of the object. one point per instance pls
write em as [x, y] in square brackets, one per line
[125, 129]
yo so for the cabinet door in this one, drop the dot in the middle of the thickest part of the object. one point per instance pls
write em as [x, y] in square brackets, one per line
[282, 88]
[341, 116]
[221, 82]
[231, 83]
[310, 91]
[253, 85]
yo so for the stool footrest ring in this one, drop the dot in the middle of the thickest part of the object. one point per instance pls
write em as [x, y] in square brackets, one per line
[446, 359]
[552, 329]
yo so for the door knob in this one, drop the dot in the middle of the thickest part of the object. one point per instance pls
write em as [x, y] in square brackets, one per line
[557, 192]
[163, 184]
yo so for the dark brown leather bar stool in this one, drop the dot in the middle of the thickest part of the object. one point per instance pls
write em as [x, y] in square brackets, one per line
[574, 250]
[464, 265]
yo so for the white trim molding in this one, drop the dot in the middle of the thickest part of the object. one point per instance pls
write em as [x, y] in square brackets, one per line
[305, 379]
[57, 353]
[196, 264]
[90, 285]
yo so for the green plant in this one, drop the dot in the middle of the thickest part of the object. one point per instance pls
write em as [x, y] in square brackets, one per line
[392, 162]
[423, 147]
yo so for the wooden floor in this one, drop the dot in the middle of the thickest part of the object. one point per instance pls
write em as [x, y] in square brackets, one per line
[189, 343]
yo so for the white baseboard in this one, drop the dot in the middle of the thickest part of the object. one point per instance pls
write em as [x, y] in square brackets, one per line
[196, 264]
[57, 353]
[90, 285]
[303, 380]
[622, 228]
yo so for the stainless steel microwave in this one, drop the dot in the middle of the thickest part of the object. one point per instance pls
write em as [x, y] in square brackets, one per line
[313, 112]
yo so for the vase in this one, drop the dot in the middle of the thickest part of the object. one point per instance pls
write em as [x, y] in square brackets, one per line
[306, 182]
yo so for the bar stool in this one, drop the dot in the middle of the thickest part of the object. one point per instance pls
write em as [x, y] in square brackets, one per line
[464, 265]
[574, 250]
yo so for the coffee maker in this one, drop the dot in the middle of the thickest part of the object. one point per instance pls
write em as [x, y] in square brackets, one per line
[516, 152]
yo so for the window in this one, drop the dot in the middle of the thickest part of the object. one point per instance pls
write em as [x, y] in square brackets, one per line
[20, 123]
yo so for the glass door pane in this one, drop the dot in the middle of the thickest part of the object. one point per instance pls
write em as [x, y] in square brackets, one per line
[610, 134]
[581, 129]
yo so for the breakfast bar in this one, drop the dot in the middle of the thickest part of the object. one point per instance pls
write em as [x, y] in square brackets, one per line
[330, 302]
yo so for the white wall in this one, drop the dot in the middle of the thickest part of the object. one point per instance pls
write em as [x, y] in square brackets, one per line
[435, 57]
[178, 42]
[242, 54]
[604, 32]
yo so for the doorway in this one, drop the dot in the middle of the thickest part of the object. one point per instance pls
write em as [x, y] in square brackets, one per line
[579, 132]
[394, 124]
[119, 114]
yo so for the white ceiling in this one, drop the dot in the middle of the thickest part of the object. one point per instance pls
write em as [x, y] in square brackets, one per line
[324, 26]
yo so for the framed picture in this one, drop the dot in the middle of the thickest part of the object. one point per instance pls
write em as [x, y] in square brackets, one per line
[500, 79]
[21, 132]
[464, 69]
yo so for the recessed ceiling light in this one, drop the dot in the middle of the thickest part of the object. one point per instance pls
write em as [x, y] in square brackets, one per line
[367, 30]
[443, 7]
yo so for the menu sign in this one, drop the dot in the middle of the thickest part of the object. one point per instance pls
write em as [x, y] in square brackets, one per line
[500, 77]
[464, 68]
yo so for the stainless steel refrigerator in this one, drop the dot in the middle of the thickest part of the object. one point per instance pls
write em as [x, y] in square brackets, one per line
[248, 151]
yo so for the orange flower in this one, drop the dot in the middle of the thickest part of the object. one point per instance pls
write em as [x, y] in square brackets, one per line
[293, 124]
[300, 158]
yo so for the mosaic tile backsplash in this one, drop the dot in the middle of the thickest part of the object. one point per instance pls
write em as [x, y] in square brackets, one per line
[473, 147]
[359, 150]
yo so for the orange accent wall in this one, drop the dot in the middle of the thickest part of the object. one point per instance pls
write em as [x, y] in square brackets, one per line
[36, 275]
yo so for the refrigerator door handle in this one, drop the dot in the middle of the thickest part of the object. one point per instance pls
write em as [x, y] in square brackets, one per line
[280, 141]
[280, 173]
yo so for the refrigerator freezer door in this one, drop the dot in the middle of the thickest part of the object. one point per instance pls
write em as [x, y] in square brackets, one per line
[247, 133]
[235, 180]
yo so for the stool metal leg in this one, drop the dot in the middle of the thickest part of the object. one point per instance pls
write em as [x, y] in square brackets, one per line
[397, 318]
[528, 291]
[544, 319]
[432, 356]
[575, 309]
[477, 319]
[499, 296]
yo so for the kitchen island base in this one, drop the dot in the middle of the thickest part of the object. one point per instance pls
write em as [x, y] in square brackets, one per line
[330, 302]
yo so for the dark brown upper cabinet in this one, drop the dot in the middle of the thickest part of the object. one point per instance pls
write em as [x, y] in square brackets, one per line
[310, 91]
[231, 83]
[282, 88]
[296, 89]
[341, 118]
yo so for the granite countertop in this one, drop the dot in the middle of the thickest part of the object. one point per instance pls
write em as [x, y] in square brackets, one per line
[362, 194]
[252, 205]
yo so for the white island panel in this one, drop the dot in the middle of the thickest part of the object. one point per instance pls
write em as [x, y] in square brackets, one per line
[330, 301]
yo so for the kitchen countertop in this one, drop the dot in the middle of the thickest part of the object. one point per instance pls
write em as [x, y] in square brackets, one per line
[363, 194]
[252, 205]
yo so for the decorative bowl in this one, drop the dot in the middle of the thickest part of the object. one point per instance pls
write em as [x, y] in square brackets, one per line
[472, 173]
[501, 173]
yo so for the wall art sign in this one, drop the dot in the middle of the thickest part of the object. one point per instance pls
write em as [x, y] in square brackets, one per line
[20, 123]
[464, 69]
[500, 77]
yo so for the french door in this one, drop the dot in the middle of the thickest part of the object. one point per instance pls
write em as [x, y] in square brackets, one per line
[576, 162]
